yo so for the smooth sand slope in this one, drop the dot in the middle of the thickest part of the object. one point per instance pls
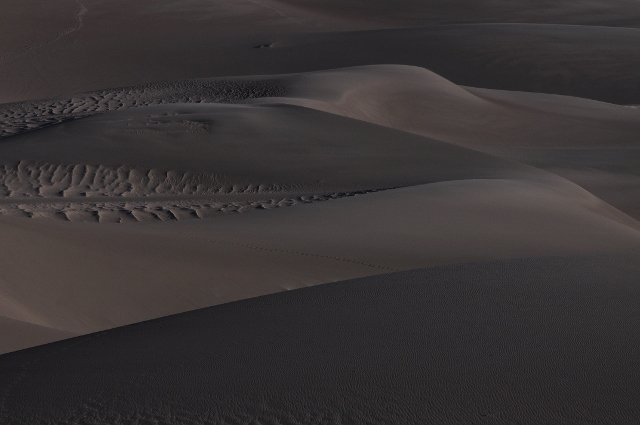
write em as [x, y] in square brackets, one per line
[417, 13]
[17, 335]
[473, 166]
[543, 340]
[593, 144]
[115, 274]
[347, 195]
[90, 45]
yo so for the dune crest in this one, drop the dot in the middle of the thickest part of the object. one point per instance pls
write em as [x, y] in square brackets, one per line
[492, 342]
[352, 152]
[198, 198]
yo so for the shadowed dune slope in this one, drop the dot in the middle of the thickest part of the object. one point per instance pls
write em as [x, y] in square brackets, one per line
[546, 340]
[193, 153]
[417, 13]
[114, 43]
[17, 335]
[260, 144]
[115, 274]
[590, 62]
[593, 144]
[330, 195]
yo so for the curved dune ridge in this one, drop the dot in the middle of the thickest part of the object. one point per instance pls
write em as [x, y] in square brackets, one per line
[492, 342]
[528, 128]
[328, 135]
[586, 48]
[363, 134]
[319, 212]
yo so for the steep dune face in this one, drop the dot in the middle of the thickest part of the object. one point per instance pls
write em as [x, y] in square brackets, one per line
[493, 342]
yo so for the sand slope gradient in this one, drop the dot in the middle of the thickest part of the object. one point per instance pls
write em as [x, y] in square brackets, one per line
[492, 342]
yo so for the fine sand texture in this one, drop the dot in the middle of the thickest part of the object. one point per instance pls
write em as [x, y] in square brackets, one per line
[184, 200]
[319, 211]
[164, 198]
[540, 340]
[578, 48]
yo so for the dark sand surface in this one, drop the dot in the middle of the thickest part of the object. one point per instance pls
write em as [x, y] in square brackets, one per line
[371, 191]
[473, 166]
[540, 340]
[117, 43]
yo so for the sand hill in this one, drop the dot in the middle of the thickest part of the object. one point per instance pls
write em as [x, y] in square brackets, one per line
[287, 211]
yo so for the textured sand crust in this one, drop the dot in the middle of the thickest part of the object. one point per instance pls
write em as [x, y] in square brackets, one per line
[20, 117]
[543, 340]
[105, 194]
[186, 160]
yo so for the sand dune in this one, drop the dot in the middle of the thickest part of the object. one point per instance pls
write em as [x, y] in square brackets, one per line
[17, 335]
[419, 101]
[590, 62]
[220, 154]
[494, 342]
[474, 166]
[343, 159]
[525, 127]
[411, 13]
[117, 47]
[593, 144]
[141, 272]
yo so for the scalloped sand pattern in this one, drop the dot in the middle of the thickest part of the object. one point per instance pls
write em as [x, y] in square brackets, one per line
[91, 193]
[44, 180]
[21, 117]
[118, 211]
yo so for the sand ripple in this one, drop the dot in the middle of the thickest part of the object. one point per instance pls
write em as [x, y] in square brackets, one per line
[20, 117]
[123, 194]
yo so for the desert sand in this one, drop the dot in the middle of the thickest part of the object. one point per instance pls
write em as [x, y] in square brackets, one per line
[287, 211]
[509, 341]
